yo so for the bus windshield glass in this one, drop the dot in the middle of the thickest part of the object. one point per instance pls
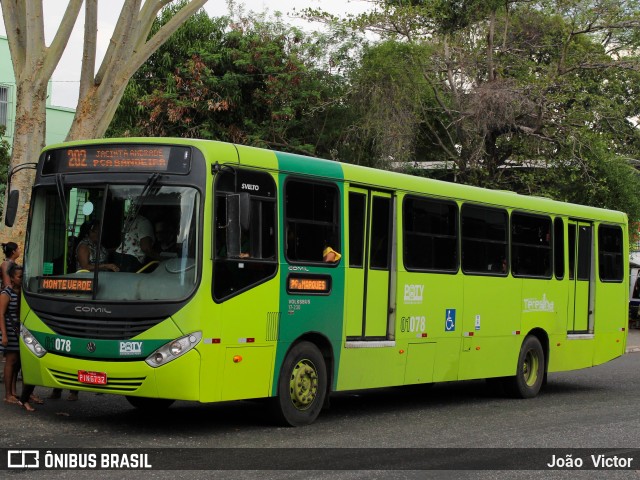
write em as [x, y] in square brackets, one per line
[113, 242]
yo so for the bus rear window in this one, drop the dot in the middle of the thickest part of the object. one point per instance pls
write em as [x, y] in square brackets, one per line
[610, 259]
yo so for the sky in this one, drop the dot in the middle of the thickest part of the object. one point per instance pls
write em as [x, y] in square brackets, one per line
[67, 75]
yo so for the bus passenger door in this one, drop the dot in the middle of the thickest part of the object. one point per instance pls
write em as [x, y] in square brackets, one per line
[580, 318]
[370, 224]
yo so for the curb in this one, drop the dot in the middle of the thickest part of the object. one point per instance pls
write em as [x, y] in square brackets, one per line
[633, 349]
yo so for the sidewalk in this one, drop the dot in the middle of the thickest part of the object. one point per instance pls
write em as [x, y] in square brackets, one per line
[633, 340]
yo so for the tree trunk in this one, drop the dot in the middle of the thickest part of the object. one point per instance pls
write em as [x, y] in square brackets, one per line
[33, 64]
[28, 141]
[130, 47]
[86, 119]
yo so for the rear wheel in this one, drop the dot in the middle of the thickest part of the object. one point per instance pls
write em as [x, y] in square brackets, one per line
[530, 371]
[150, 404]
[302, 386]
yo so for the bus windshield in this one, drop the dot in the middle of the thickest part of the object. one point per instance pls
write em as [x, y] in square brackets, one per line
[113, 242]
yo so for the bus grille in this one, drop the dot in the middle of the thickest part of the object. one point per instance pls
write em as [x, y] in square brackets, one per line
[124, 384]
[99, 329]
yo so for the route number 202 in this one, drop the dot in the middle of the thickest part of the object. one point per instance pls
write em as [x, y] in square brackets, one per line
[413, 324]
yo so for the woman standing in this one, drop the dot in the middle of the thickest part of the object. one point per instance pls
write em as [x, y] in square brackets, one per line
[11, 255]
[10, 327]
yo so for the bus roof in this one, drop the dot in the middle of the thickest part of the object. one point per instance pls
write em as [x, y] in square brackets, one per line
[371, 177]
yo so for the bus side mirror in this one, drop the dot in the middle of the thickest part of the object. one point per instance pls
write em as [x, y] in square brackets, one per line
[245, 210]
[12, 208]
[14, 195]
[238, 215]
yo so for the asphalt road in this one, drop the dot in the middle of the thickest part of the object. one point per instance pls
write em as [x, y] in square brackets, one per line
[592, 408]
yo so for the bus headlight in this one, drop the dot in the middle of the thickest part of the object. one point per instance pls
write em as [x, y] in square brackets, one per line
[174, 349]
[31, 342]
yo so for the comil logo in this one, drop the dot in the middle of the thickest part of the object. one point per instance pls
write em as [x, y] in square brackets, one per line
[130, 348]
[23, 459]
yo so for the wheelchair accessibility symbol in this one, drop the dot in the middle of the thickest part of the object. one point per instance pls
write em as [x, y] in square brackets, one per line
[450, 321]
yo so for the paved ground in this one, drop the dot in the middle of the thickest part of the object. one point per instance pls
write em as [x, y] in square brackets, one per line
[633, 340]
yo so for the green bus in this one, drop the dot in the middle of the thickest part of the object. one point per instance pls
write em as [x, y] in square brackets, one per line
[431, 281]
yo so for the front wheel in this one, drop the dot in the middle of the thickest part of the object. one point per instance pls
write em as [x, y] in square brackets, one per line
[530, 373]
[302, 386]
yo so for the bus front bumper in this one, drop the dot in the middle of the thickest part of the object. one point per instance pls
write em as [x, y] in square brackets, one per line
[178, 379]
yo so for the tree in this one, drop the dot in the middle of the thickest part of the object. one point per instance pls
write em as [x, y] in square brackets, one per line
[245, 80]
[5, 157]
[100, 92]
[387, 99]
[33, 64]
[523, 91]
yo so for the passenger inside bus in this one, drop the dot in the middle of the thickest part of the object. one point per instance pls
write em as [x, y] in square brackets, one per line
[137, 246]
[89, 251]
[166, 239]
[329, 255]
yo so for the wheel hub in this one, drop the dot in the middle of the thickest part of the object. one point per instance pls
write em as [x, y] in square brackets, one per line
[303, 384]
[530, 368]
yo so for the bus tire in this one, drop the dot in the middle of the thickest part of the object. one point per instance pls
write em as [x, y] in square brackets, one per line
[150, 404]
[530, 372]
[302, 386]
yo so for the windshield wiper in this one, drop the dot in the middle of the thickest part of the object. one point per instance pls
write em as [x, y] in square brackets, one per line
[61, 197]
[96, 262]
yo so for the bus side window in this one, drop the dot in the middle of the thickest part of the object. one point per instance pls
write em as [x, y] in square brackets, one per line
[531, 253]
[245, 232]
[610, 258]
[357, 216]
[572, 250]
[312, 220]
[558, 248]
[430, 233]
[484, 239]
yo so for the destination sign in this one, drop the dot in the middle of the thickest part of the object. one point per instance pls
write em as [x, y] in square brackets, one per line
[82, 285]
[118, 158]
[309, 284]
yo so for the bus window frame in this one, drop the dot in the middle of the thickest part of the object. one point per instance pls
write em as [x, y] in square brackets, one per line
[559, 257]
[456, 233]
[599, 251]
[336, 223]
[483, 273]
[522, 213]
[362, 227]
[216, 259]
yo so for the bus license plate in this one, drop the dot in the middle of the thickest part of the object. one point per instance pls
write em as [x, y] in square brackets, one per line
[93, 378]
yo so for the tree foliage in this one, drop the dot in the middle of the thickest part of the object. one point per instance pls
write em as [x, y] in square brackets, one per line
[250, 81]
[530, 96]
